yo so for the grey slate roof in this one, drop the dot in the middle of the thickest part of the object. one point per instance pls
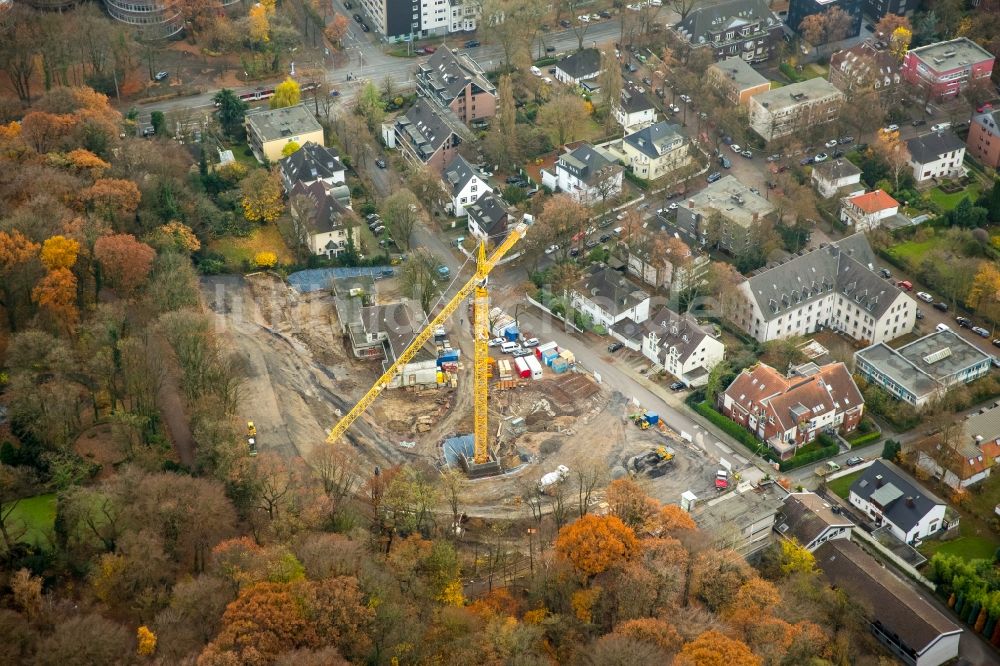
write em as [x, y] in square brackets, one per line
[489, 212]
[836, 169]
[587, 161]
[806, 516]
[310, 162]
[703, 21]
[581, 64]
[633, 101]
[612, 291]
[892, 493]
[675, 330]
[844, 266]
[458, 173]
[448, 73]
[328, 212]
[893, 604]
[930, 147]
[427, 127]
[657, 139]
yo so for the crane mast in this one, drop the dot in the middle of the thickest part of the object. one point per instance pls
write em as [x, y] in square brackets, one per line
[476, 286]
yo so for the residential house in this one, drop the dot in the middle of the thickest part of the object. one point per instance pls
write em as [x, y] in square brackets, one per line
[607, 297]
[429, 134]
[909, 625]
[984, 138]
[677, 343]
[676, 274]
[742, 519]
[270, 130]
[922, 370]
[581, 66]
[488, 218]
[962, 454]
[587, 173]
[737, 80]
[464, 185]
[798, 10]
[634, 110]
[322, 217]
[833, 176]
[936, 155]
[795, 108]
[893, 499]
[656, 150]
[745, 28]
[811, 521]
[828, 287]
[454, 80]
[866, 212]
[311, 163]
[944, 69]
[876, 9]
[726, 214]
[865, 66]
[406, 20]
[789, 412]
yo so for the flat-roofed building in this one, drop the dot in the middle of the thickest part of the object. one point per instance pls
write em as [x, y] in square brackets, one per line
[737, 80]
[947, 68]
[270, 130]
[795, 108]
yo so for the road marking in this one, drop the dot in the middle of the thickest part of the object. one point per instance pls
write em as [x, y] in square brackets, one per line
[725, 448]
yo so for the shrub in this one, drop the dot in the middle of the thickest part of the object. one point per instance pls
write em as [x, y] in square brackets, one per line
[866, 438]
[733, 429]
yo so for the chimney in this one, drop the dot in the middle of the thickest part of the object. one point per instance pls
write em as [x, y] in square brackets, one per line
[755, 216]
[690, 203]
[878, 481]
[909, 502]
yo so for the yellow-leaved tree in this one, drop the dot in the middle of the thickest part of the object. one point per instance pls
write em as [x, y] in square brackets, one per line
[260, 25]
[59, 252]
[146, 640]
[290, 148]
[178, 236]
[265, 259]
[899, 42]
[287, 93]
[260, 196]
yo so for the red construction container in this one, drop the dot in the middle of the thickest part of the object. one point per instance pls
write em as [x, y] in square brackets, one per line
[521, 367]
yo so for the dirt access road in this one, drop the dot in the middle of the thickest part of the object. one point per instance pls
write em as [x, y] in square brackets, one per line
[300, 378]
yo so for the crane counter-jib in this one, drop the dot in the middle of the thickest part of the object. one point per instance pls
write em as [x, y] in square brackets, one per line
[483, 268]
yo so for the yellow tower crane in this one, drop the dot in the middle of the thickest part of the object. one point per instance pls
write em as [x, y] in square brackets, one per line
[481, 303]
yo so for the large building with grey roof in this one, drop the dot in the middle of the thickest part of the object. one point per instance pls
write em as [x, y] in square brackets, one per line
[727, 213]
[892, 499]
[456, 81]
[749, 29]
[833, 287]
[923, 370]
[737, 80]
[270, 130]
[795, 108]
[429, 134]
[587, 173]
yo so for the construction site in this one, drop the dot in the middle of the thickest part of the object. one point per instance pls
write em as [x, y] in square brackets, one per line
[313, 362]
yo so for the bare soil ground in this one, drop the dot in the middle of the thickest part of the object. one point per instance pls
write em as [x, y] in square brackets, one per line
[96, 445]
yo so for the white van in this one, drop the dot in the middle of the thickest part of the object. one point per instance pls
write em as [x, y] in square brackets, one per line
[508, 347]
[536, 71]
[617, 231]
[940, 127]
[942, 327]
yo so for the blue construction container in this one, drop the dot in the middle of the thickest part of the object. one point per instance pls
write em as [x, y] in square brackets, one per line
[549, 356]
[511, 333]
[559, 366]
[450, 356]
[651, 418]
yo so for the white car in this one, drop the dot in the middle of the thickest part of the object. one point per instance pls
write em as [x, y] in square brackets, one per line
[496, 342]
[736, 148]
[551, 248]
[530, 342]
[890, 128]
[832, 143]
[925, 297]
[672, 206]
[822, 157]
[686, 99]
[674, 108]
[584, 18]
[940, 127]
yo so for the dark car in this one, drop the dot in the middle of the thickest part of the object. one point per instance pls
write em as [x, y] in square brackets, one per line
[605, 14]
[919, 122]
[347, 4]
[552, 70]
[712, 177]
[844, 140]
[357, 17]
[884, 272]
[564, 23]
[996, 343]
[854, 460]
[513, 179]
[675, 195]
[593, 242]
[942, 306]
[380, 163]
[838, 153]
[806, 160]
[678, 386]
[605, 238]
[574, 252]
[365, 28]
[963, 322]
[920, 314]
[615, 346]
[472, 43]
[550, 49]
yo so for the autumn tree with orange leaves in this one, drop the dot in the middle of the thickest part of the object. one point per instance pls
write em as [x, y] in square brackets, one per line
[56, 294]
[44, 132]
[593, 544]
[124, 261]
[114, 199]
[712, 648]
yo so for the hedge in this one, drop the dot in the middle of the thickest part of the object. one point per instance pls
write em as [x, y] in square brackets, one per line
[789, 72]
[803, 459]
[864, 439]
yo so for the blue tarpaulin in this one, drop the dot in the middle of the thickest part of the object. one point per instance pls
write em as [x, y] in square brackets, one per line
[315, 279]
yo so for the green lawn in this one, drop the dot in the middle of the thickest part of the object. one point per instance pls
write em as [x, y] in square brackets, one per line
[236, 250]
[38, 514]
[949, 201]
[842, 486]
[971, 548]
[813, 71]
[913, 252]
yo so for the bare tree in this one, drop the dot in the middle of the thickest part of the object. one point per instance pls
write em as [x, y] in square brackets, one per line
[401, 212]
[587, 478]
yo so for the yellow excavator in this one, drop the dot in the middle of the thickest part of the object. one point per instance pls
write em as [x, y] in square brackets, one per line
[476, 287]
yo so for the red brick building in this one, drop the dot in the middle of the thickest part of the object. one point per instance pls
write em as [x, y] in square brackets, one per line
[789, 412]
[947, 68]
[984, 138]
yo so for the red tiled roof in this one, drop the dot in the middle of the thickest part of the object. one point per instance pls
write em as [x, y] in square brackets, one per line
[873, 202]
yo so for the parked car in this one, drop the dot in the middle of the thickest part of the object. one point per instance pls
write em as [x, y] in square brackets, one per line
[983, 108]
[918, 122]
[496, 342]
[605, 238]
[530, 342]
[980, 331]
[686, 99]
[518, 353]
[365, 28]
[647, 81]
[678, 386]
[591, 243]
[565, 23]
[941, 305]
[831, 143]
[890, 128]
[821, 157]
[747, 154]
[551, 248]
[773, 158]
[472, 43]
[925, 297]
[996, 343]
[963, 322]
[940, 127]
[575, 252]
[844, 140]
[550, 49]
[736, 148]
[884, 272]
[161, 76]
[803, 162]
[712, 177]
[854, 460]
[615, 346]
[605, 14]
[724, 162]
[920, 313]
[380, 163]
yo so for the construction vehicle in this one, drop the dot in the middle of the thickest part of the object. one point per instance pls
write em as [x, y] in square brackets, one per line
[552, 479]
[252, 438]
[655, 462]
[476, 287]
[644, 419]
